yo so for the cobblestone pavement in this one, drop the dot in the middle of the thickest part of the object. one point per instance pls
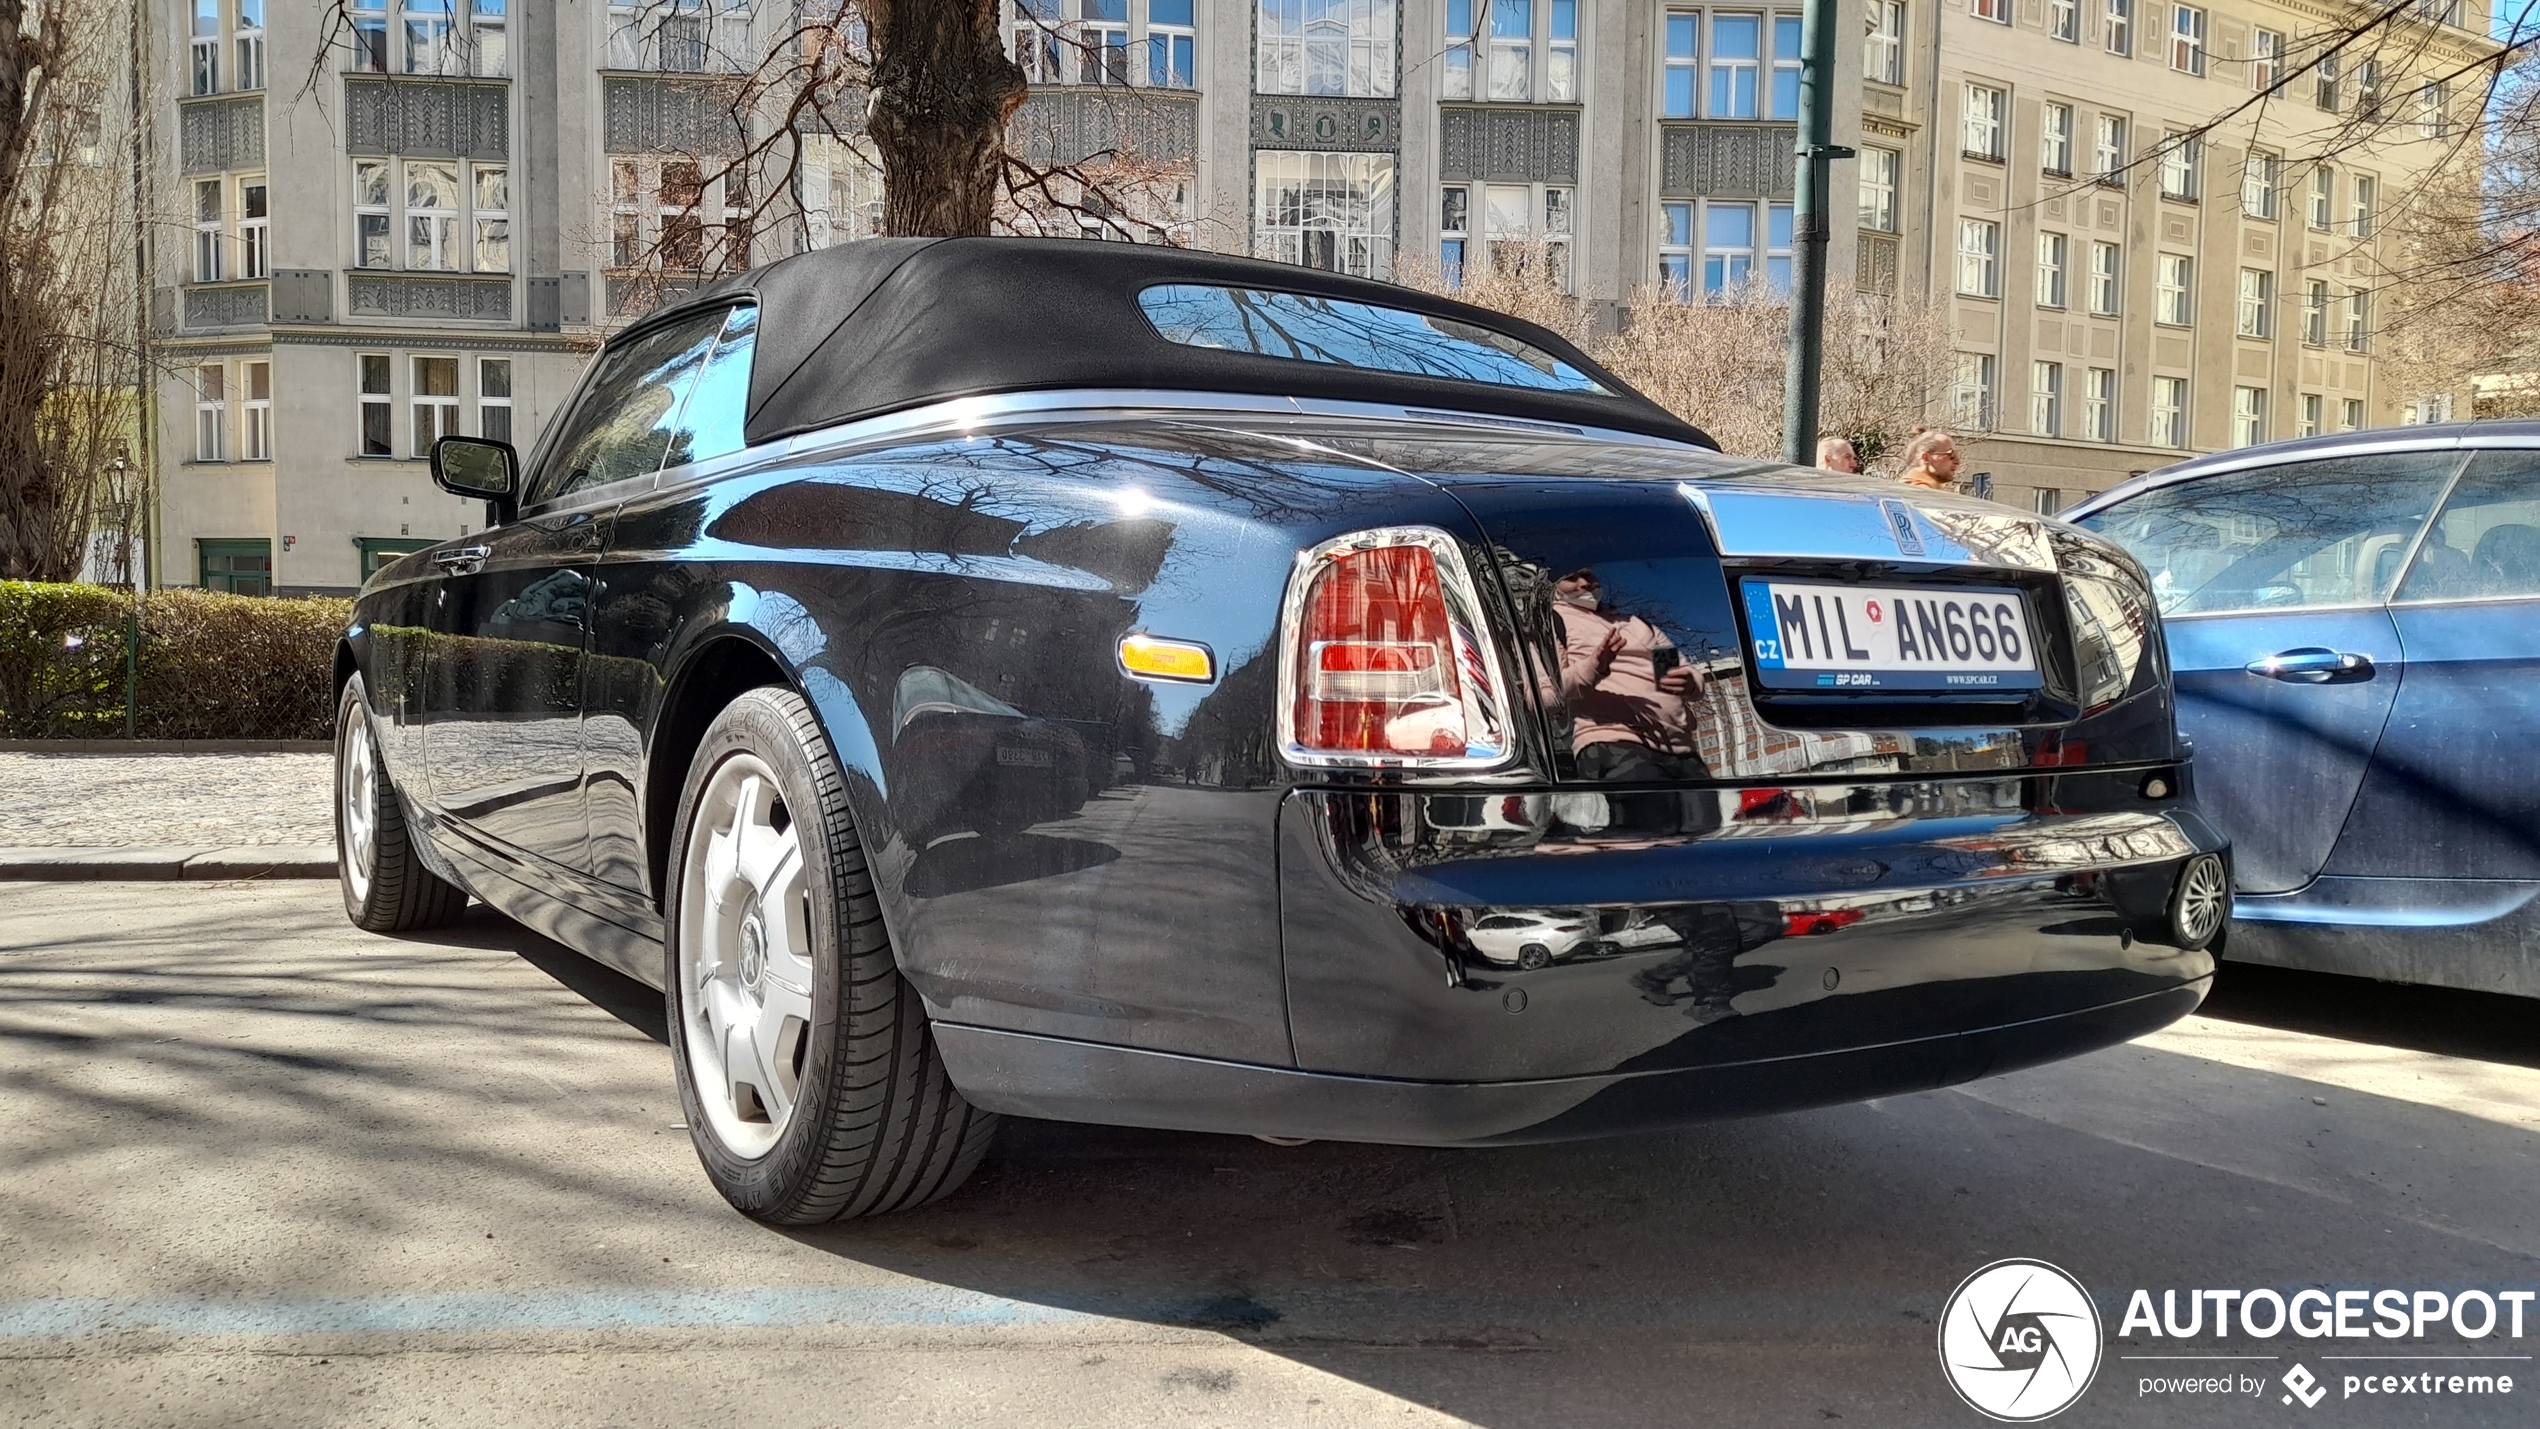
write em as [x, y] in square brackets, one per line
[175, 800]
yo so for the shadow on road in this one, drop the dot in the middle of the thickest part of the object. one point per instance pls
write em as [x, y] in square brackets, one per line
[2484, 1026]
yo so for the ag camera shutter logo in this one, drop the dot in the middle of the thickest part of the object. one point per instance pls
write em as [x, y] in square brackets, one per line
[2019, 1341]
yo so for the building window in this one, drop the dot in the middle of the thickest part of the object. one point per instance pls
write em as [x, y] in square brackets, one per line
[1327, 211]
[668, 213]
[1675, 249]
[2169, 412]
[1040, 45]
[206, 47]
[2434, 111]
[2049, 500]
[489, 39]
[2315, 312]
[373, 220]
[2107, 279]
[255, 251]
[1971, 396]
[1339, 47]
[2099, 404]
[1785, 67]
[1512, 50]
[1998, 11]
[1878, 190]
[2046, 399]
[2055, 140]
[1455, 218]
[1561, 58]
[2181, 156]
[2353, 410]
[1728, 248]
[2177, 305]
[2063, 20]
[2368, 91]
[1736, 47]
[250, 44]
[1777, 231]
[432, 41]
[1883, 52]
[2266, 59]
[2187, 39]
[1172, 44]
[432, 214]
[210, 218]
[1514, 216]
[1979, 257]
[2257, 185]
[1983, 122]
[1684, 56]
[2364, 192]
[2248, 416]
[2323, 197]
[1102, 42]
[2108, 153]
[211, 412]
[494, 398]
[696, 36]
[375, 437]
[490, 213]
[235, 567]
[2358, 319]
[370, 35]
[2257, 303]
[2308, 423]
[436, 401]
[2051, 249]
[2324, 83]
[257, 442]
[2120, 26]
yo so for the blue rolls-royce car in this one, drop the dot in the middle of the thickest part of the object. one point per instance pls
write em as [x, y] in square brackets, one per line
[2355, 621]
[1128, 685]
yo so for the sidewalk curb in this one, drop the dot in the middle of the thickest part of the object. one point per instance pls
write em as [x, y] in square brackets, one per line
[166, 865]
[166, 746]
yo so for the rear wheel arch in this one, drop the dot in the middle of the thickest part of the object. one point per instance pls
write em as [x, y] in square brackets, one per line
[714, 675]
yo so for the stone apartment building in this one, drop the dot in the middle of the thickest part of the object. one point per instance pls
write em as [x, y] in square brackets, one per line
[425, 234]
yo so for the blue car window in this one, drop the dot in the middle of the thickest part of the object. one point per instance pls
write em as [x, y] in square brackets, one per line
[1353, 334]
[2313, 533]
[709, 425]
[2486, 544]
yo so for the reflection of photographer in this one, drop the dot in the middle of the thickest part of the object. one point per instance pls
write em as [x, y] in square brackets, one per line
[1629, 691]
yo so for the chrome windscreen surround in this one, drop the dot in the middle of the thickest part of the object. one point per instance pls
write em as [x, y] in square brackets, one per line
[1489, 742]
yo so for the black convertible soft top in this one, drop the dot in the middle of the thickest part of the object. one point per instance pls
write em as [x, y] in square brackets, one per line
[885, 324]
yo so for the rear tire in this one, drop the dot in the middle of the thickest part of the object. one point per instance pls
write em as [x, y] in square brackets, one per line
[386, 887]
[810, 1078]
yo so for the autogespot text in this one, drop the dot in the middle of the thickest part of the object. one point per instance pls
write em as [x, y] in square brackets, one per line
[2448, 1342]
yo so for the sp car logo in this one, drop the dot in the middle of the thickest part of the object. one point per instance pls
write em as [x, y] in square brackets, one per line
[2019, 1341]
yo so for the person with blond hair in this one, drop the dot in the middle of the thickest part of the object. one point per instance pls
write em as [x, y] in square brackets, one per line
[1931, 461]
[1837, 454]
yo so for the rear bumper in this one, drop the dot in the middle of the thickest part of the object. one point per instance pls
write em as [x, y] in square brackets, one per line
[1062, 1080]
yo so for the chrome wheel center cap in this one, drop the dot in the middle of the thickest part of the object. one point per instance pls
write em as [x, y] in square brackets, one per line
[753, 948]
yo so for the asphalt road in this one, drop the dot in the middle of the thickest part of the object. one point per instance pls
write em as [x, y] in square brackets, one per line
[256, 1167]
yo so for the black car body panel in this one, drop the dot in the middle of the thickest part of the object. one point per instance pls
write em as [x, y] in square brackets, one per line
[1121, 900]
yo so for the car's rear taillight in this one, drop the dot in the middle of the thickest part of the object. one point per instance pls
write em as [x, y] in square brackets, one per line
[1387, 659]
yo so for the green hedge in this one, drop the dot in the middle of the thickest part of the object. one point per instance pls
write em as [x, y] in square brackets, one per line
[212, 666]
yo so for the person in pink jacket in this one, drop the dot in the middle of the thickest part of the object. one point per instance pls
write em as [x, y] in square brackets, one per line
[1628, 689]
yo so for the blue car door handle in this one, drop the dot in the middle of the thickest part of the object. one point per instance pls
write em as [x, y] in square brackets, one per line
[2314, 665]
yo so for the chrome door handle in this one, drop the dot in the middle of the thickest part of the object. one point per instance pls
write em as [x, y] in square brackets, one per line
[463, 561]
[2314, 665]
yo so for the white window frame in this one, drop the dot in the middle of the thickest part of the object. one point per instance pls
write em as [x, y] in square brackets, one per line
[2055, 140]
[1878, 170]
[2168, 425]
[2358, 327]
[2176, 302]
[1346, 195]
[489, 401]
[2187, 39]
[1883, 47]
[2248, 416]
[2259, 176]
[1352, 55]
[203, 70]
[431, 38]
[1971, 391]
[2108, 148]
[434, 415]
[255, 230]
[2324, 94]
[430, 239]
[1102, 43]
[643, 212]
[489, 218]
[211, 231]
[1172, 46]
[1781, 97]
[1727, 264]
[1979, 258]
[2063, 21]
[1727, 75]
[2099, 404]
[1997, 11]
[489, 50]
[211, 412]
[2117, 20]
[1676, 272]
[1680, 77]
[2312, 414]
[2351, 415]
[1561, 73]
[248, 42]
[2315, 313]
[2434, 110]
[379, 399]
[369, 38]
[1980, 121]
[255, 386]
[2368, 90]
[2182, 158]
[375, 217]
[2266, 59]
[1455, 231]
[2363, 198]
[2054, 257]
[2046, 399]
[1509, 72]
[693, 36]
[2257, 303]
[2107, 279]
[2323, 198]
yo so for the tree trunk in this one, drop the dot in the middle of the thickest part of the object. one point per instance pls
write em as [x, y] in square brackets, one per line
[26, 495]
[943, 89]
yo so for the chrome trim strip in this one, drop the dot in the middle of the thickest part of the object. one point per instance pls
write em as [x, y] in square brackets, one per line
[1859, 522]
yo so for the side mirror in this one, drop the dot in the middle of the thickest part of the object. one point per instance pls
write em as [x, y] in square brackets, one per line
[475, 466]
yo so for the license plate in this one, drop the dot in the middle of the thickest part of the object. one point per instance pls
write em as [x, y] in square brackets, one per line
[1813, 636]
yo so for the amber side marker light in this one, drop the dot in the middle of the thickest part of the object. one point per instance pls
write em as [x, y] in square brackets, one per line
[1152, 658]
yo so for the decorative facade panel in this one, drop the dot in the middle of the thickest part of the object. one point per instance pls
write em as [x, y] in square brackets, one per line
[427, 118]
[1071, 126]
[1519, 145]
[1877, 252]
[225, 307]
[221, 136]
[449, 299]
[670, 116]
[1351, 125]
[1726, 161]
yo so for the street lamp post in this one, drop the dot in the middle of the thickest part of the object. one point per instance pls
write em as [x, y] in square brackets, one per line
[1810, 224]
